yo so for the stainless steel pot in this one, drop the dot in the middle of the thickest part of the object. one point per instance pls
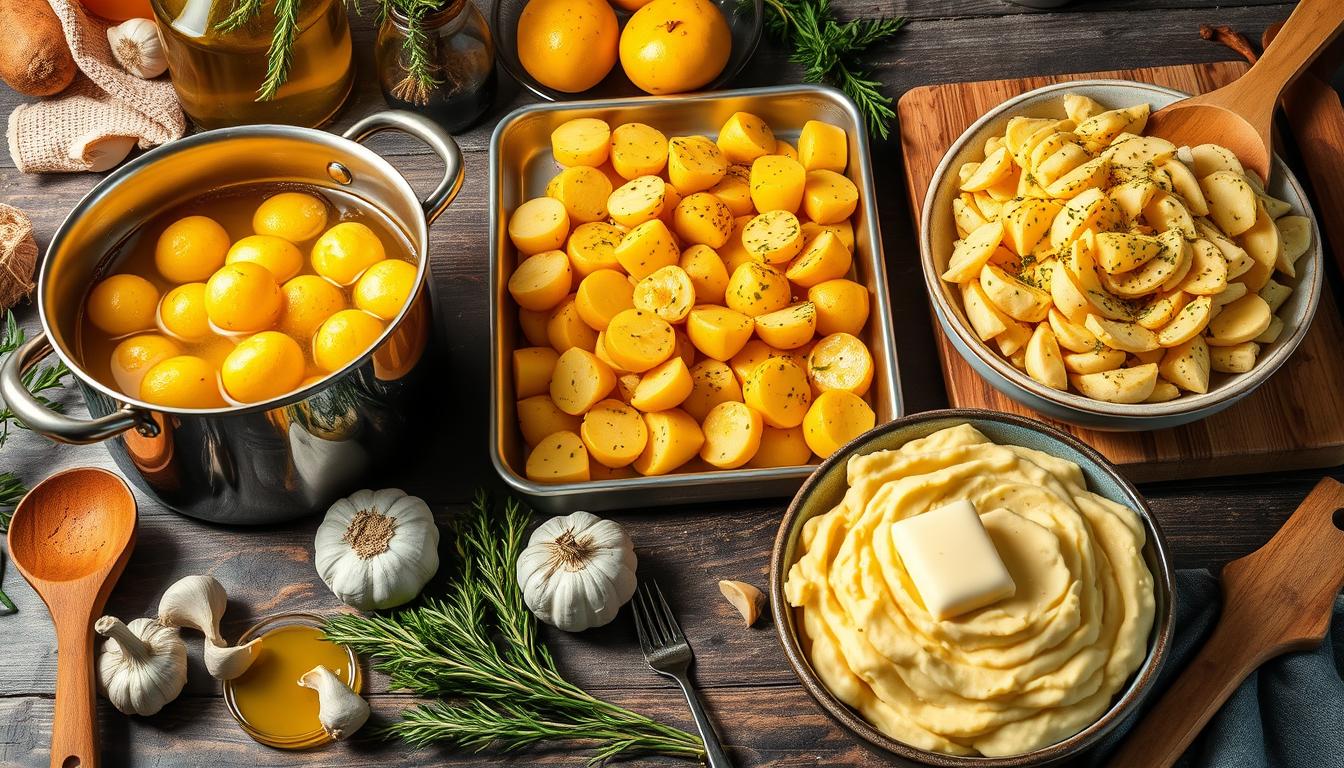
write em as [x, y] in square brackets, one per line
[269, 461]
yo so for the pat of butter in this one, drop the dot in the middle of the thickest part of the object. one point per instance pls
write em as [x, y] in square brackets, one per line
[951, 560]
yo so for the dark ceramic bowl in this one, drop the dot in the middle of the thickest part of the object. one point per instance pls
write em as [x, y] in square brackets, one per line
[745, 21]
[824, 489]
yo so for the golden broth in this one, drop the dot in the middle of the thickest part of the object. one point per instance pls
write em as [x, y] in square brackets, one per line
[233, 209]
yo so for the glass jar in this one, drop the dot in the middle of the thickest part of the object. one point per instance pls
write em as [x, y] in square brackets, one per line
[218, 74]
[460, 54]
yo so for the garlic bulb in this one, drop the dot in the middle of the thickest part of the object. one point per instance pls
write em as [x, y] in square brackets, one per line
[199, 602]
[142, 666]
[377, 549]
[577, 571]
[137, 47]
[340, 710]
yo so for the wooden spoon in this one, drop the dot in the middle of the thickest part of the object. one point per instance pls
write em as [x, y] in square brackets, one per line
[1240, 115]
[70, 537]
[1276, 599]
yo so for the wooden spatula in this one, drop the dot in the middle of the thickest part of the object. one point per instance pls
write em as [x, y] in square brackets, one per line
[1239, 115]
[1276, 599]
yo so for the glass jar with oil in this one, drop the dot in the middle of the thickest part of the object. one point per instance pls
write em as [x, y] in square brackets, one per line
[219, 70]
[267, 700]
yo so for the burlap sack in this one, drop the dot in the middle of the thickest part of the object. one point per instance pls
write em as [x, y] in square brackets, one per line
[104, 102]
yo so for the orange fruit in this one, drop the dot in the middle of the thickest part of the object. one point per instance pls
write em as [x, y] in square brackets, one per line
[674, 46]
[568, 45]
[630, 5]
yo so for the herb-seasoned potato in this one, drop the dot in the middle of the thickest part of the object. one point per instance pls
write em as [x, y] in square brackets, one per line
[592, 246]
[579, 381]
[823, 258]
[835, 418]
[541, 281]
[788, 328]
[754, 353]
[559, 458]
[1121, 385]
[647, 248]
[718, 332]
[603, 295]
[703, 219]
[778, 389]
[532, 369]
[1116, 334]
[1190, 321]
[734, 253]
[1231, 201]
[829, 197]
[638, 150]
[674, 439]
[774, 237]
[639, 200]
[732, 435]
[540, 224]
[971, 254]
[667, 293]
[842, 306]
[840, 361]
[614, 433]
[823, 146]
[583, 191]
[1094, 361]
[1043, 360]
[582, 141]
[709, 277]
[665, 386]
[1238, 358]
[566, 328]
[777, 183]
[1240, 321]
[745, 137]
[1070, 335]
[694, 164]
[734, 189]
[1014, 297]
[538, 417]
[639, 340]
[712, 382]
[781, 448]
[757, 289]
[843, 230]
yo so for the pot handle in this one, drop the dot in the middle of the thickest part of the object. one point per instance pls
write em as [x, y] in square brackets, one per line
[430, 133]
[44, 421]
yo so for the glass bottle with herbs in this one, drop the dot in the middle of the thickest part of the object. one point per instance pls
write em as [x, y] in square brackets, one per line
[437, 58]
[236, 62]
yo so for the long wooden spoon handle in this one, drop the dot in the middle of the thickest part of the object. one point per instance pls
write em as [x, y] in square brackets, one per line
[73, 740]
[1275, 600]
[1311, 27]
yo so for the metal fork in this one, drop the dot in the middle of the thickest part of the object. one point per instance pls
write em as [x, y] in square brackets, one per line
[667, 652]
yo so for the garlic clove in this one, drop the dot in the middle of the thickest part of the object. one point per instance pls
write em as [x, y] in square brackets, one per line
[340, 710]
[197, 602]
[225, 662]
[745, 598]
[100, 152]
[137, 47]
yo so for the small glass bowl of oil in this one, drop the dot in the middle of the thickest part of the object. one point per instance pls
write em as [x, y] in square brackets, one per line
[267, 700]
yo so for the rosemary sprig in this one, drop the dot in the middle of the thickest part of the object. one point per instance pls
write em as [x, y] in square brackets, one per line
[828, 50]
[421, 73]
[281, 52]
[11, 492]
[37, 380]
[480, 643]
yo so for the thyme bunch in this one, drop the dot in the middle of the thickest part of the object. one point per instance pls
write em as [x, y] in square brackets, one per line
[480, 643]
[829, 51]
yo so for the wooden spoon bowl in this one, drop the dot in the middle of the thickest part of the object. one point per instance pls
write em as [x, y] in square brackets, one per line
[70, 537]
[1240, 116]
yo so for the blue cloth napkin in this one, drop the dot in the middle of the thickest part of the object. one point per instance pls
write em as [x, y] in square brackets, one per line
[1289, 714]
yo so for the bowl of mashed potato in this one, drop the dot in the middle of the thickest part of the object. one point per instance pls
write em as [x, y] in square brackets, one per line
[1033, 678]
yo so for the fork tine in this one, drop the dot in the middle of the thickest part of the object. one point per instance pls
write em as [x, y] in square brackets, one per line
[657, 631]
[640, 621]
[671, 617]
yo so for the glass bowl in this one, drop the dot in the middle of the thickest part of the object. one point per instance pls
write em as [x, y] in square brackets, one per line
[314, 738]
[745, 21]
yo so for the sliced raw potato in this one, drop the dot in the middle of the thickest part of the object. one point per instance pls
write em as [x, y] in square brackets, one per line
[1026, 223]
[1094, 361]
[1186, 184]
[614, 433]
[824, 258]
[1164, 272]
[1208, 270]
[1123, 251]
[1209, 158]
[580, 380]
[1020, 128]
[1295, 233]
[1161, 309]
[1231, 293]
[1082, 270]
[1265, 247]
[1238, 358]
[1271, 334]
[966, 215]
[1240, 321]
[1166, 212]
[1122, 385]
[558, 458]
[663, 387]
[1232, 201]
[993, 169]
[779, 391]
[970, 255]
[1134, 195]
[1163, 391]
[1019, 300]
[674, 439]
[1043, 130]
[538, 417]
[986, 319]
[1075, 337]
[712, 382]
[1130, 337]
[732, 435]
[788, 328]
[668, 293]
[1047, 147]
[639, 200]
[840, 361]
[1100, 129]
[1274, 294]
[1187, 365]
[1043, 360]
[1188, 323]
[834, 419]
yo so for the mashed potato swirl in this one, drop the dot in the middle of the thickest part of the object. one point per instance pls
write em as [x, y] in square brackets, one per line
[1018, 675]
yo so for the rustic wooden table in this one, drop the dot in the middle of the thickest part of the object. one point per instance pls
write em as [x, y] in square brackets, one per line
[761, 711]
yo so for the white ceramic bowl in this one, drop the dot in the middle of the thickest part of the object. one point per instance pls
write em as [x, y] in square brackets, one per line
[938, 232]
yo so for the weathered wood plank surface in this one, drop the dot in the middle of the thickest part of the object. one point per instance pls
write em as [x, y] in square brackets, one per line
[762, 713]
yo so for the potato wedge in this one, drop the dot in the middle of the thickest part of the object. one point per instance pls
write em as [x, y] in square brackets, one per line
[1134, 195]
[788, 328]
[778, 389]
[1124, 251]
[1129, 337]
[732, 435]
[1164, 391]
[835, 418]
[1186, 184]
[1094, 361]
[1165, 212]
[1068, 297]
[1231, 199]
[841, 229]
[1079, 108]
[718, 332]
[1208, 270]
[558, 458]
[1088, 175]
[1271, 334]
[1274, 294]
[986, 319]
[1014, 338]
[674, 439]
[1139, 152]
[665, 386]
[1238, 358]
[1019, 300]
[966, 215]
[1231, 293]
[1295, 234]
[1189, 322]
[969, 256]
[1043, 360]
[1122, 385]
[1240, 321]
[1261, 240]
[1070, 335]
[1074, 218]
[614, 433]
[1161, 309]
[1209, 158]
[996, 165]
[1026, 223]
[712, 382]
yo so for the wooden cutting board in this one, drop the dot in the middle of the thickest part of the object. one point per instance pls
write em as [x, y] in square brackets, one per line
[1294, 421]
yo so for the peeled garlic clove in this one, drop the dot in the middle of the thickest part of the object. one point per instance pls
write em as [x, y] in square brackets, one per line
[340, 710]
[225, 662]
[197, 602]
[745, 598]
[102, 153]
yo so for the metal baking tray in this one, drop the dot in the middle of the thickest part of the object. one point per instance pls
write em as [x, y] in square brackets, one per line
[520, 165]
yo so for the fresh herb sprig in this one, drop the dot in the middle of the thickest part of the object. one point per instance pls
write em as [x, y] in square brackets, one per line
[281, 53]
[421, 73]
[828, 51]
[37, 380]
[481, 644]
